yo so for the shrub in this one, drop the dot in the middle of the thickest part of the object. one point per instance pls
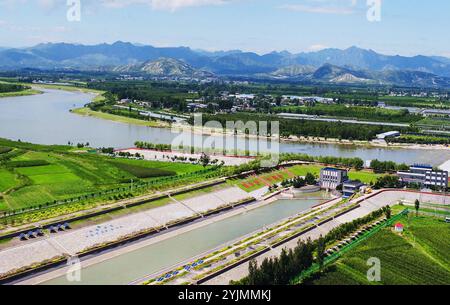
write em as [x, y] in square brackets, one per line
[144, 172]
[30, 163]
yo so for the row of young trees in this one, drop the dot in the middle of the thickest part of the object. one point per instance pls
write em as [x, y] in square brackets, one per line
[293, 127]
[299, 182]
[421, 139]
[388, 181]
[387, 166]
[356, 163]
[11, 88]
[147, 145]
[359, 112]
[281, 270]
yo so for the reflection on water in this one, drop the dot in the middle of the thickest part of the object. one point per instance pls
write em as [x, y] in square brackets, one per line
[45, 119]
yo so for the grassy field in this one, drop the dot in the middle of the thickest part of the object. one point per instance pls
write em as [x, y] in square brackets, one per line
[36, 177]
[417, 256]
[8, 180]
[67, 88]
[118, 118]
[364, 176]
[179, 168]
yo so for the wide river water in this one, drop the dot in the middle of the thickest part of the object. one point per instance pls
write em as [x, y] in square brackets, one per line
[137, 264]
[45, 119]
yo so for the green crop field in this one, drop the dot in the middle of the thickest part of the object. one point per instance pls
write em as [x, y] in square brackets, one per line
[144, 172]
[179, 168]
[417, 256]
[7, 181]
[33, 175]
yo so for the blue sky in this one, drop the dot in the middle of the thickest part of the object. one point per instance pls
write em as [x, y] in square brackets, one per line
[407, 27]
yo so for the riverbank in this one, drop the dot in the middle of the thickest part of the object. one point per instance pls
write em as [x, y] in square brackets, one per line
[119, 119]
[308, 140]
[20, 93]
[65, 88]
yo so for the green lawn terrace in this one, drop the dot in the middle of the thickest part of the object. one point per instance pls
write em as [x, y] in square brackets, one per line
[31, 177]
[417, 256]
[256, 182]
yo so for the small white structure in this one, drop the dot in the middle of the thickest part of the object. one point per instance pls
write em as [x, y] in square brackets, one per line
[399, 228]
[390, 134]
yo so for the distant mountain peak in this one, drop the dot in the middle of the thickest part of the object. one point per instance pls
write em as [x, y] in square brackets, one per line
[331, 63]
[163, 67]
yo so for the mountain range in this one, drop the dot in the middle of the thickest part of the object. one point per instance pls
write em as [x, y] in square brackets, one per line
[352, 65]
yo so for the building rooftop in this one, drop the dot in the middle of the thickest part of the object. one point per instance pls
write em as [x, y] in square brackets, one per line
[389, 134]
[333, 169]
[424, 166]
[353, 183]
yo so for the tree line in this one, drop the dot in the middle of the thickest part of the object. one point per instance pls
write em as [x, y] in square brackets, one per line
[358, 112]
[306, 128]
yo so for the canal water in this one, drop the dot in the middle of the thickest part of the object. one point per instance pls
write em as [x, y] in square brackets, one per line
[148, 260]
[46, 119]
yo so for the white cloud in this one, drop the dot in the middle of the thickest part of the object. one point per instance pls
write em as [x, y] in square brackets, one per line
[318, 9]
[337, 7]
[169, 5]
[317, 47]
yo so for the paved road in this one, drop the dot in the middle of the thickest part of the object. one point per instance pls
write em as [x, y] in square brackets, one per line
[325, 119]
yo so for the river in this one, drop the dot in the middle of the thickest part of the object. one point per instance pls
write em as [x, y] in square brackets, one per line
[46, 119]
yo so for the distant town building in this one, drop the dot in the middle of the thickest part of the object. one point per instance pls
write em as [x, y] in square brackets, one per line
[350, 188]
[196, 106]
[331, 178]
[436, 112]
[425, 176]
[125, 101]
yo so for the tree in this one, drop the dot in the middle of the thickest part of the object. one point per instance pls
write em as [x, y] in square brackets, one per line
[417, 206]
[205, 160]
[321, 247]
[388, 212]
[310, 179]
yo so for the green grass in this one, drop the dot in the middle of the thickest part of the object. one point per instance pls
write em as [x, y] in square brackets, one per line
[118, 118]
[364, 176]
[20, 93]
[434, 122]
[418, 256]
[179, 168]
[26, 163]
[4, 150]
[144, 172]
[7, 180]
